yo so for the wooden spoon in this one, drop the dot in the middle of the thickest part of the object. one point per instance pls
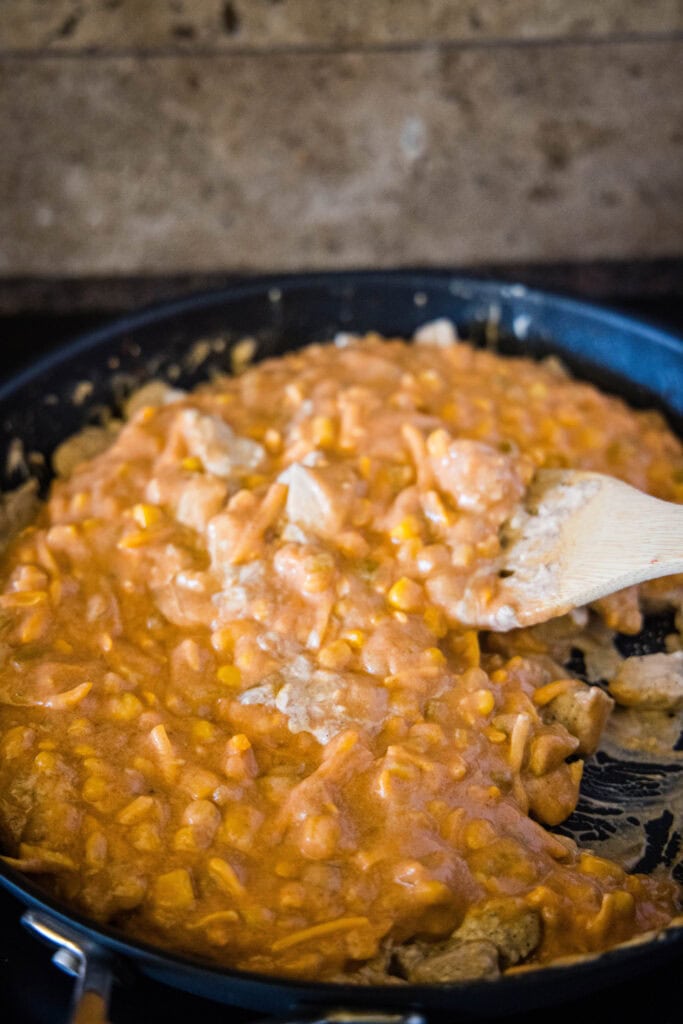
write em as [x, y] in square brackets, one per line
[578, 537]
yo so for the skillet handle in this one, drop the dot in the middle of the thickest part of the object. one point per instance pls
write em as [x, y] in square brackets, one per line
[84, 960]
[90, 964]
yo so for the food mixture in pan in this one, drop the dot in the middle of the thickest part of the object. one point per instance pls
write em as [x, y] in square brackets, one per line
[238, 714]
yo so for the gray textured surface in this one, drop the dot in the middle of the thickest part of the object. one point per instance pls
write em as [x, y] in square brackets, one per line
[74, 24]
[174, 164]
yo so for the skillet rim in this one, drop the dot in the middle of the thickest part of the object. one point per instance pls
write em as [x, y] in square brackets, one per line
[461, 287]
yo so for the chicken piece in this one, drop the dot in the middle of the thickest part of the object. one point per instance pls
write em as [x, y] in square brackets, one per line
[550, 748]
[452, 961]
[477, 477]
[194, 501]
[509, 925]
[439, 332]
[320, 498]
[652, 682]
[215, 444]
[583, 711]
[554, 796]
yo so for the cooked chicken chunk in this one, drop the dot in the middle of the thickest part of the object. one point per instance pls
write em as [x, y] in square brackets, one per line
[457, 961]
[583, 711]
[653, 681]
[511, 926]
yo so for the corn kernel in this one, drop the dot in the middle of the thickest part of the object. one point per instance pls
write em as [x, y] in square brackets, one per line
[335, 655]
[457, 767]
[192, 464]
[185, 840]
[247, 659]
[437, 443]
[125, 707]
[46, 761]
[319, 573]
[405, 595]
[499, 676]
[229, 675]
[223, 640]
[483, 701]
[494, 735]
[84, 750]
[147, 515]
[145, 837]
[174, 890]
[324, 431]
[479, 833]
[544, 694]
[146, 414]
[106, 642]
[239, 743]
[273, 441]
[434, 656]
[240, 825]
[408, 528]
[134, 540]
[365, 466]
[135, 810]
[435, 621]
[354, 637]
[466, 648]
[433, 891]
[287, 869]
[203, 731]
[224, 875]
[95, 788]
[319, 836]
[198, 782]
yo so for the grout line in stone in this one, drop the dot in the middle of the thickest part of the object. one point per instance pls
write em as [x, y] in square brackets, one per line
[347, 49]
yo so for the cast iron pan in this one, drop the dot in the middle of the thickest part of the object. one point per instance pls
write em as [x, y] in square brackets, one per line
[45, 404]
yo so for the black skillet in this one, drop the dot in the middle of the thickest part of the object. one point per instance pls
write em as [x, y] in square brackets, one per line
[48, 402]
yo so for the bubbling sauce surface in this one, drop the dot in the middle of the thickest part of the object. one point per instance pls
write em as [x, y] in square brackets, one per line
[238, 714]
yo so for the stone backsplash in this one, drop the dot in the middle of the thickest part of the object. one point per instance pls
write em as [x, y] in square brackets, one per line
[208, 137]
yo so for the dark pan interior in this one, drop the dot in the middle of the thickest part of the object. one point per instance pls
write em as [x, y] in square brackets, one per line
[187, 341]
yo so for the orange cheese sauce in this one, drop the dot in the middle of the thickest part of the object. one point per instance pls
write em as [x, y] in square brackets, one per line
[238, 715]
